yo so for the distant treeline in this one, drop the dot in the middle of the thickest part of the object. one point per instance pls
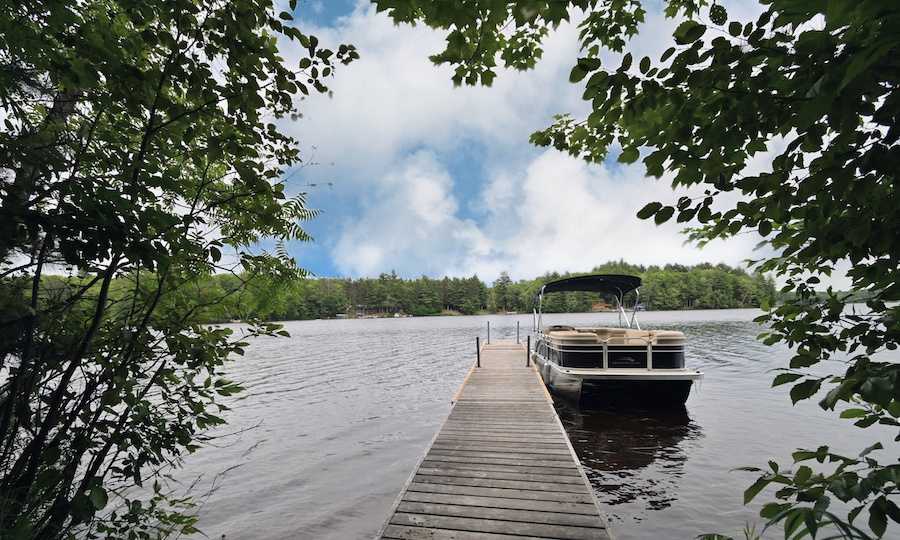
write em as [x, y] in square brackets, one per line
[673, 286]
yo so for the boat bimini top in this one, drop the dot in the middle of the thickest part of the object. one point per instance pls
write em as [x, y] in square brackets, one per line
[616, 284]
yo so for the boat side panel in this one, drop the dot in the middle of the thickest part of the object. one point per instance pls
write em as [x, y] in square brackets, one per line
[620, 356]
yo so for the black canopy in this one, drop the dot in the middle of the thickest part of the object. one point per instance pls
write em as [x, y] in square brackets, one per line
[603, 283]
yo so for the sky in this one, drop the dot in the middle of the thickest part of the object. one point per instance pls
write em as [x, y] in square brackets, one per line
[416, 176]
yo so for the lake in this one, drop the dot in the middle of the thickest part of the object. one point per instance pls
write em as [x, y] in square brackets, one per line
[335, 418]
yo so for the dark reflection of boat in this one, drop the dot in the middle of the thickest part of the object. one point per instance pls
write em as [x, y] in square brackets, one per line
[631, 455]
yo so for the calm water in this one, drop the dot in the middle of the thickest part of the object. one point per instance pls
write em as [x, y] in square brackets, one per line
[335, 418]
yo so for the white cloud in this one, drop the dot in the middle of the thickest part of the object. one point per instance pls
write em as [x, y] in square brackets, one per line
[394, 123]
[561, 214]
[569, 215]
[393, 100]
[409, 225]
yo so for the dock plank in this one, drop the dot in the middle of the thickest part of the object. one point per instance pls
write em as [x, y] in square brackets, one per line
[539, 530]
[501, 467]
[425, 487]
[556, 471]
[502, 502]
[504, 514]
[397, 532]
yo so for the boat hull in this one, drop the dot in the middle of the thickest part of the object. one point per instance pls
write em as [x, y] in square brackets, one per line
[619, 387]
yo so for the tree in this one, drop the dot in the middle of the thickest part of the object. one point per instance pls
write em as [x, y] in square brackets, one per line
[813, 83]
[139, 145]
[501, 293]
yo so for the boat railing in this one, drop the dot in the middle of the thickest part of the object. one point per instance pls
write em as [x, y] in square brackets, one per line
[615, 349]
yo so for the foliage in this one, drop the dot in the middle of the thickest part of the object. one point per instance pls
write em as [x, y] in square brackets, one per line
[139, 140]
[704, 286]
[813, 83]
[500, 292]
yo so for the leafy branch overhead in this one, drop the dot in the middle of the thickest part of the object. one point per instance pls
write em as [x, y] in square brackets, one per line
[811, 87]
[141, 152]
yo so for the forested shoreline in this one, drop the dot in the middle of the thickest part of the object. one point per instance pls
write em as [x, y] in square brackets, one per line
[669, 287]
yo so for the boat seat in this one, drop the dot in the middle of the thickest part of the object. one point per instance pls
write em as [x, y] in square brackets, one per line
[669, 337]
[622, 340]
[559, 327]
[615, 336]
[607, 332]
[667, 333]
[572, 337]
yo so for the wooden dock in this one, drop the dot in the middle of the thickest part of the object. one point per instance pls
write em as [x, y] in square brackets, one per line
[501, 467]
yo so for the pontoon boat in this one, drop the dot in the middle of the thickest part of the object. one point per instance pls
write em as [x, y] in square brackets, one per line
[611, 365]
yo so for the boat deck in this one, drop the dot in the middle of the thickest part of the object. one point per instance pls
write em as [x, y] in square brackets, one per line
[501, 467]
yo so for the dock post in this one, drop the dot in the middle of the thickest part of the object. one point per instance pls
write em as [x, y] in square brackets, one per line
[478, 351]
[528, 351]
[489, 332]
[517, 332]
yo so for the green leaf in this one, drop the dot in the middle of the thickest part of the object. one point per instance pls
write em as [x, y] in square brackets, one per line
[785, 378]
[772, 510]
[734, 28]
[805, 389]
[755, 488]
[629, 155]
[718, 15]
[892, 510]
[802, 361]
[793, 521]
[853, 413]
[98, 497]
[577, 74]
[648, 210]
[664, 214]
[864, 59]
[645, 64]
[689, 32]
[802, 475]
[877, 517]
[870, 449]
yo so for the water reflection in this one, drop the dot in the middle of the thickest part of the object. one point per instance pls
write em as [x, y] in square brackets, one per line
[347, 407]
[631, 456]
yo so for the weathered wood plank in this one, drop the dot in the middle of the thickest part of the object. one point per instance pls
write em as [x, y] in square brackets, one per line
[398, 532]
[528, 463]
[528, 494]
[502, 455]
[501, 467]
[496, 526]
[503, 441]
[500, 475]
[487, 447]
[508, 484]
[502, 502]
[518, 435]
[556, 471]
[505, 514]
[501, 428]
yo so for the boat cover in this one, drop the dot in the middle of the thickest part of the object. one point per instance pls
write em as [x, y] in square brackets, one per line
[618, 284]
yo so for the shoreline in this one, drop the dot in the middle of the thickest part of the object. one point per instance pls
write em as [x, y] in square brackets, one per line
[484, 314]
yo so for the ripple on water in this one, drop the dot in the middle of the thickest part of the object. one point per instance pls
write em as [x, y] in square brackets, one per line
[345, 409]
